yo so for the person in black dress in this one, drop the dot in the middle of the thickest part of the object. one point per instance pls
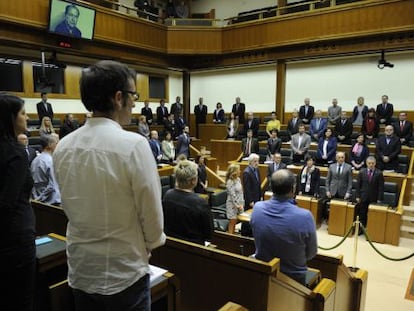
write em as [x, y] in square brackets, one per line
[308, 179]
[17, 247]
[202, 175]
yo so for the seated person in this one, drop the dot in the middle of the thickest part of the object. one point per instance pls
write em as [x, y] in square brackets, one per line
[359, 153]
[187, 216]
[309, 178]
[274, 123]
[343, 129]
[218, 114]
[45, 188]
[370, 127]
[326, 151]
[318, 125]
[282, 230]
[387, 149]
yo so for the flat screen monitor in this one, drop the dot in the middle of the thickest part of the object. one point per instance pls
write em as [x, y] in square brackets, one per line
[71, 19]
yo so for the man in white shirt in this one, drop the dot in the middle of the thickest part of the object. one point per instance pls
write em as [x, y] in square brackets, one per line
[111, 195]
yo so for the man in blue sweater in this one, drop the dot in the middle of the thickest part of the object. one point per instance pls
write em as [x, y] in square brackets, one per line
[283, 230]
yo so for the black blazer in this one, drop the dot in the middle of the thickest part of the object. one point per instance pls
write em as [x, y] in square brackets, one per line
[370, 191]
[315, 177]
[147, 112]
[364, 128]
[355, 113]
[254, 126]
[162, 114]
[361, 157]
[254, 147]
[274, 146]
[385, 114]
[407, 131]
[293, 129]
[308, 116]
[239, 112]
[200, 114]
[218, 116]
[345, 130]
[392, 150]
[271, 169]
[41, 111]
[251, 187]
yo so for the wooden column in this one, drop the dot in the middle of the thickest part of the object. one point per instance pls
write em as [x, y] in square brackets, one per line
[281, 4]
[280, 90]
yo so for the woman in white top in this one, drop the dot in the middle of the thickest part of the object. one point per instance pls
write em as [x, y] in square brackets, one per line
[235, 200]
[168, 149]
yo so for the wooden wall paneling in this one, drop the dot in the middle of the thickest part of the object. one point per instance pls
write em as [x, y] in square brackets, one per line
[28, 86]
[72, 78]
[142, 84]
[191, 40]
[280, 90]
[35, 14]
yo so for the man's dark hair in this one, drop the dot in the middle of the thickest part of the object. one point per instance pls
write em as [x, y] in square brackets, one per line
[71, 6]
[282, 182]
[101, 81]
[10, 106]
[43, 93]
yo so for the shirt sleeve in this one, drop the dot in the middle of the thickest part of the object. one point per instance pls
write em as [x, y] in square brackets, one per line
[311, 240]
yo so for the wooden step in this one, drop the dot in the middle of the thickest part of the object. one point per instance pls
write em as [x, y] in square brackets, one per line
[408, 221]
[407, 232]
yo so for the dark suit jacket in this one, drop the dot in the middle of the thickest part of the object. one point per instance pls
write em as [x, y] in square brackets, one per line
[355, 113]
[239, 112]
[315, 177]
[218, 116]
[200, 114]
[309, 115]
[323, 125]
[271, 169]
[406, 132]
[176, 109]
[155, 148]
[31, 153]
[147, 112]
[392, 150]
[293, 129]
[162, 114]
[345, 130]
[254, 146]
[364, 128]
[183, 145]
[367, 191]
[254, 126]
[385, 114]
[340, 184]
[41, 111]
[330, 149]
[274, 146]
[251, 186]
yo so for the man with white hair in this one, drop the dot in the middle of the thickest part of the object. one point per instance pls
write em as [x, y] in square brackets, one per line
[251, 188]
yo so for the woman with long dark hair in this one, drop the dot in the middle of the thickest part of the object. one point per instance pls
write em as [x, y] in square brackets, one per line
[17, 247]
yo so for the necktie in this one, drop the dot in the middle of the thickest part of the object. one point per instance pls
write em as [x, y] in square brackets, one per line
[369, 175]
[343, 122]
[402, 126]
[28, 153]
[318, 122]
[339, 169]
[276, 167]
[256, 174]
[294, 122]
[248, 147]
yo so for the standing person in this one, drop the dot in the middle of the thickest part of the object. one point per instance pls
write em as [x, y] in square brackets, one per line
[403, 128]
[202, 181]
[239, 109]
[282, 230]
[17, 230]
[359, 153]
[326, 151]
[387, 149]
[385, 111]
[45, 188]
[252, 124]
[168, 149]
[369, 189]
[46, 127]
[147, 112]
[339, 179]
[177, 108]
[318, 125]
[300, 144]
[359, 112]
[183, 143]
[370, 127]
[276, 165]
[344, 129]
[155, 146]
[68, 126]
[235, 201]
[293, 124]
[110, 235]
[249, 144]
[44, 109]
[306, 111]
[334, 112]
[273, 123]
[232, 126]
[143, 127]
[31, 152]
[187, 215]
[162, 113]
[308, 179]
[251, 188]
[218, 114]
[200, 112]
[274, 143]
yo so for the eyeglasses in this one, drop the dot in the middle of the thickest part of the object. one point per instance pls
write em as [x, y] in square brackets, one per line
[135, 95]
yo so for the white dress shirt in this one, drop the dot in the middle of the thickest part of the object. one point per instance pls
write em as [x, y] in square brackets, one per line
[111, 195]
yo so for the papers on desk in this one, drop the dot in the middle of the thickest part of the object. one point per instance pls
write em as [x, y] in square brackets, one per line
[156, 273]
[245, 214]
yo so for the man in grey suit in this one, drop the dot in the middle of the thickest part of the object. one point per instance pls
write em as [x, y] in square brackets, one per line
[339, 179]
[300, 145]
[183, 142]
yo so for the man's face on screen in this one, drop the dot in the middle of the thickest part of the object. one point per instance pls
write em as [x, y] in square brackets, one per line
[72, 17]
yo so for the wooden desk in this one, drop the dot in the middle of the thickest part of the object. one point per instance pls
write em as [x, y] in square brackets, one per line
[312, 204]
[225, 151]
[377, 220]
[166, 170]
[338, 217]
[209, 131]
[245, 216]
